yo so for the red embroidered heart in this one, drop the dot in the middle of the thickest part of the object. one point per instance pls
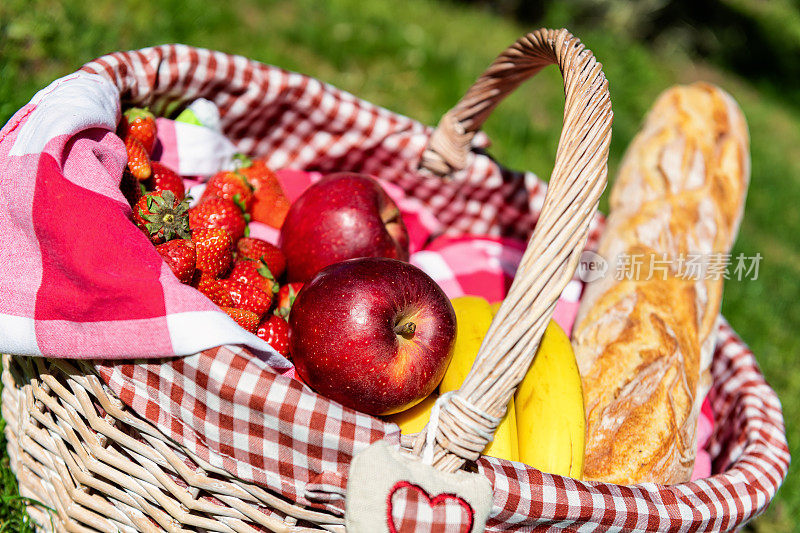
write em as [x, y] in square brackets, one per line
[412, 510]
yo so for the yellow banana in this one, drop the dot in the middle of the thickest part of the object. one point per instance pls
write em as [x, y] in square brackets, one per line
[473, 317]
[506, 442]
[550, 413]
[414, 419]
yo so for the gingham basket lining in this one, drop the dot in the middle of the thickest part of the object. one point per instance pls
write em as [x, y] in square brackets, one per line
[362, 137]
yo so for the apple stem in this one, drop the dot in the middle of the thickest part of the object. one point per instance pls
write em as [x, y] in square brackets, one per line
[406, 330]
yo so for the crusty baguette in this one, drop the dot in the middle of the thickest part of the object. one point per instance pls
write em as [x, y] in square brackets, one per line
[644, 346]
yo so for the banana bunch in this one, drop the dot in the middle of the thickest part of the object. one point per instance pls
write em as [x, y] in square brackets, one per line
[544, 425]
[550, 415]
[473, 318]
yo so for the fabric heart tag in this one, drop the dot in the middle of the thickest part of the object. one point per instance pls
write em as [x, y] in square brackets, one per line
[389, 492]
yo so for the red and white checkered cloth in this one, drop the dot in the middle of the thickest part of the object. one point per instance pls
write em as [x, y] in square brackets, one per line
[412, 510]
[229, 404]
[79, 279]
[750, 461]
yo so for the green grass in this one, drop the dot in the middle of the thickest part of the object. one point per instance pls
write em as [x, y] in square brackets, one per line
[417, 58]
[13, 518]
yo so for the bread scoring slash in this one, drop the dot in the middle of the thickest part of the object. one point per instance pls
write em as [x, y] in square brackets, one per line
[644, 334]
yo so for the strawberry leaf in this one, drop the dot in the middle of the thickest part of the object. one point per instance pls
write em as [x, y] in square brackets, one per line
[244, 179]
[166, 218]
[264, 270]
[242, 161]
[182, 207]
[137, 113]
[237, 199]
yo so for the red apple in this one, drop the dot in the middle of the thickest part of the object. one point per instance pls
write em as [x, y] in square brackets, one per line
[374, 334]
[342, 216]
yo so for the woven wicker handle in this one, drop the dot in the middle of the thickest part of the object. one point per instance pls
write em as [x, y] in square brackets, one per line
[577, 181]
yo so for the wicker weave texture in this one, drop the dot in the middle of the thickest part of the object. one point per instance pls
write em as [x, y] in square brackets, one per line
[578, 179]
[101, 467]
[79, 450]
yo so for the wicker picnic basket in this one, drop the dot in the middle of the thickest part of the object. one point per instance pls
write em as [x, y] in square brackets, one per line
[84, 443]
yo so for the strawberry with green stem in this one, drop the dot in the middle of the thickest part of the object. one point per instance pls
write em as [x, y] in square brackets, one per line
[255, 273]
[270, 204]
[231, 185]
[257, 249]
[162, 216]
[139, 124]
[286, 297]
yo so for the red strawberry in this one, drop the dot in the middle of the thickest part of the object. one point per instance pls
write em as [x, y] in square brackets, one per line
[180, 255]
[215, 292]
[164, 178]
[138, 160]
[255, 249]
[248, 296]
[254, 273]
[213, 247]
[275, 331]
[141, 125]
[255, 171]
[270, 204]
[162, 216]
[270, 207]
[286, 297]
[231, 185]
[219, 213]
[247, 319]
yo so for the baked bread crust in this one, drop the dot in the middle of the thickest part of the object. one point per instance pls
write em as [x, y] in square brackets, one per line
[644, 340]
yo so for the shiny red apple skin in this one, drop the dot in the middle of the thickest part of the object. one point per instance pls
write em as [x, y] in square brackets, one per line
[343, 335]
[342, 216]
